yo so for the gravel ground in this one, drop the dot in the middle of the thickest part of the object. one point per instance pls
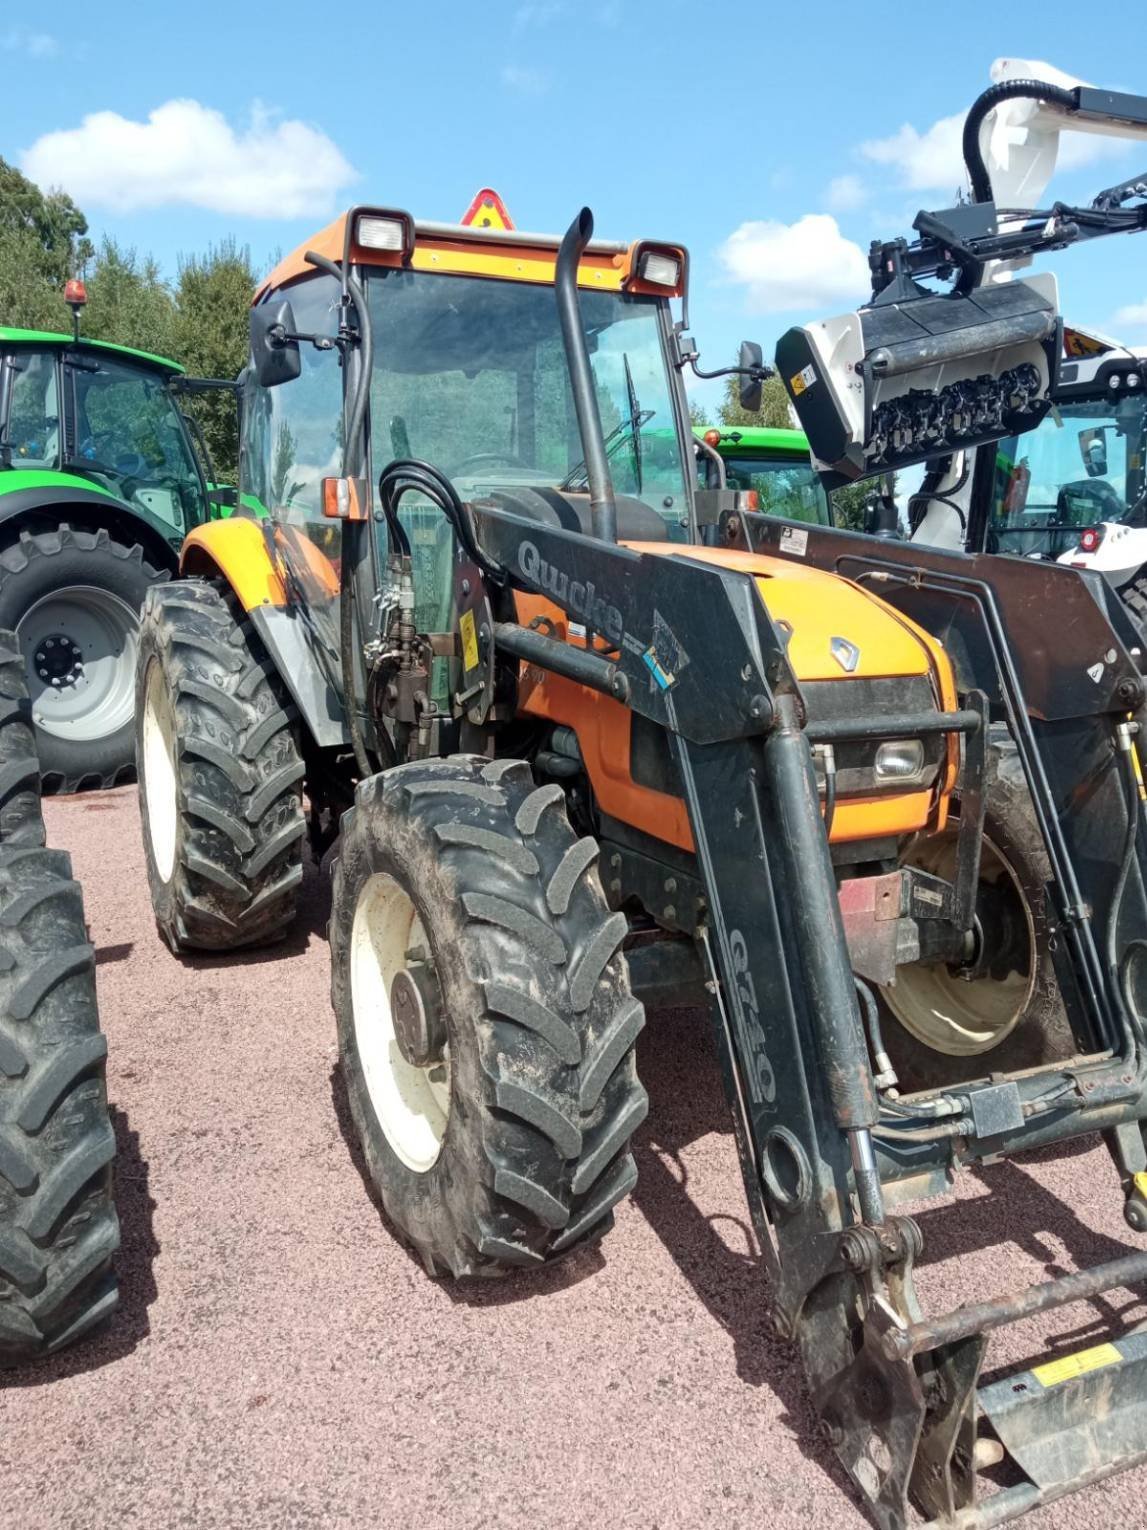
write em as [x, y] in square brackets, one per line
[280, 1360]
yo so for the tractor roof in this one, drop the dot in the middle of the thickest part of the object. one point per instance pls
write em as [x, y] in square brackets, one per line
[460, 249]
[42, 337]
[759, 438]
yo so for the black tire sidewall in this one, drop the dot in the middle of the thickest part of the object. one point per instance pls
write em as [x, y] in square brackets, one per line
[63, 761]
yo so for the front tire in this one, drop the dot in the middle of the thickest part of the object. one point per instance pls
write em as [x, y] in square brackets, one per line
[73, 599]
[947, 1029]
[505, 1140]
[58, 1226]
[220, 773]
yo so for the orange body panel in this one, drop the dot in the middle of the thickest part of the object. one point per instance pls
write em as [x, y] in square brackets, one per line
[817, 605]
[237, 549]
[240, 550]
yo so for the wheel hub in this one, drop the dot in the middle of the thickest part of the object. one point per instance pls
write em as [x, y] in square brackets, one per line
[59, 661]
[419, 1027]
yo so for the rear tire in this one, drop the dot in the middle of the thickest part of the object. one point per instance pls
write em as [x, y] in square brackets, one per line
[519, 1149]
[58, 1226]
[220, 773]
[73, 599]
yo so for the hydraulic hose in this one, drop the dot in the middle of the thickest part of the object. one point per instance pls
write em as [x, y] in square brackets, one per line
[1128, 1014]
[1006, 90]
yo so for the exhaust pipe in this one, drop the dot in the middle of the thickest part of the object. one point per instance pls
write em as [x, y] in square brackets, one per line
[602, 505]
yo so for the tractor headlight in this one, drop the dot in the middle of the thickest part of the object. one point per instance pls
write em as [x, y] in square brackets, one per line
[900, 759]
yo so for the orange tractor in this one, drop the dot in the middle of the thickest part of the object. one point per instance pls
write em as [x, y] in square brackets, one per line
[583, 738]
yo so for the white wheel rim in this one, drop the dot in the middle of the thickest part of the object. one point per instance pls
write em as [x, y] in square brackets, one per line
[411, 1104]
[80, 647]
[947, 1013]
[159, 771]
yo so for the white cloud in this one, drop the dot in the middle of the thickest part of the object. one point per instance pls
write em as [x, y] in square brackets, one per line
[189, 155]
[527, 82]
[1133, 316]
[925, 161]
[844, 193]
[24, 40]
[806, 264]
[932, 159]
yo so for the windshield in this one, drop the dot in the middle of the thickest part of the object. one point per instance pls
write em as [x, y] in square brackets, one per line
[470, 375]
[784, 487]
[1083, 465]
[128, 433]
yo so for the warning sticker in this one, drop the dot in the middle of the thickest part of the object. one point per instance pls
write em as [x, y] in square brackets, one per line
[664, 658]
[469, 640]
[1055, 1371]
[794, 539]
[803, 379]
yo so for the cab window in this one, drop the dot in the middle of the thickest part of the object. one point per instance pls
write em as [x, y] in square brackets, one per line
[33, 434]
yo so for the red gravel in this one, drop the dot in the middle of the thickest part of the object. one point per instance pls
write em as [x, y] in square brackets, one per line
[280, 1360]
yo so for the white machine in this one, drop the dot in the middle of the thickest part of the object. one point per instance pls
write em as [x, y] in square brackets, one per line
[926, 373]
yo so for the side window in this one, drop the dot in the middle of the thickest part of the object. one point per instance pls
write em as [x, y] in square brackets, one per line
[33, 434]
[292, 435]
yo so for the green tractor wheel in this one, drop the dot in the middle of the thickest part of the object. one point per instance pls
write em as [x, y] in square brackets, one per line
[73, 599]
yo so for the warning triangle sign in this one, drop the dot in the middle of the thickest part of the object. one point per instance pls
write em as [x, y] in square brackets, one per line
[487, 210]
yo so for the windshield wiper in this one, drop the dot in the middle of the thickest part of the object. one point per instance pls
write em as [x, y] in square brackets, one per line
[632, 426]
[634, 421]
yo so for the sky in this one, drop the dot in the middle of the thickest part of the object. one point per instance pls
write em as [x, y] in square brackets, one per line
[775, 142]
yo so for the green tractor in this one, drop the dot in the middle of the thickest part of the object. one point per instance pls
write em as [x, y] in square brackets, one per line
[101, 478]
[773, 463]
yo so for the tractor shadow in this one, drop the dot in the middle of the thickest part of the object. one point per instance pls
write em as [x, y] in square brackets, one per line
[719, 1258]
[130, 1323]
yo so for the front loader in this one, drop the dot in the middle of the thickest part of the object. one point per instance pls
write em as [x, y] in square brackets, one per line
[578, 750]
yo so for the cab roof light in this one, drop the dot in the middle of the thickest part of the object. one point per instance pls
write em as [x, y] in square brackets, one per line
[385, 229]
[663, 266]
[659, 269]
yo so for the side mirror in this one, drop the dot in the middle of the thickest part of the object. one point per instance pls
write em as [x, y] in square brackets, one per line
[1093, 450]
[274, 351]
[750, 360]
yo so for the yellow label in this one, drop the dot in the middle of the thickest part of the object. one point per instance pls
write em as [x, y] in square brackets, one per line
[797, 383]
[469, 640]
[1055, 1371]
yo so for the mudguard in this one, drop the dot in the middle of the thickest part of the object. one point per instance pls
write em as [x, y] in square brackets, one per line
[246, 553]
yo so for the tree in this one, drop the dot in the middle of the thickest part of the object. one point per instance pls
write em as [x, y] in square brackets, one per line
[129, 303]
[698, 414]
[212, 300]
[774, 411]
[43, 241]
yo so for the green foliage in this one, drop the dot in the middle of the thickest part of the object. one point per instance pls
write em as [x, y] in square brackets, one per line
[849, 504]
[212, 299]
[129, 302]
[42, 242]
[773, 413]
[698, 414]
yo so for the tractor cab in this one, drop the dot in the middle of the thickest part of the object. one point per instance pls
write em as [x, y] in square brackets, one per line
[772, 463]
[101, 478]
[104, 417]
